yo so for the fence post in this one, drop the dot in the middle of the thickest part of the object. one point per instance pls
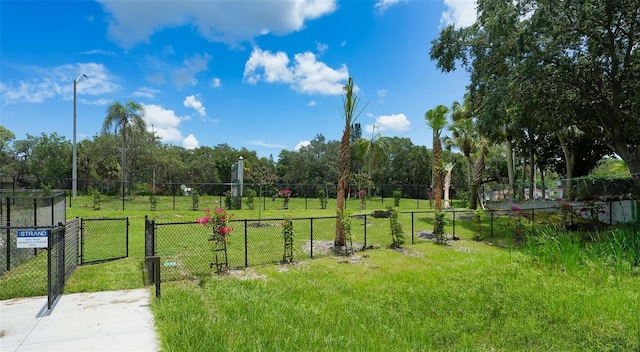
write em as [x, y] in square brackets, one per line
[49, 282]
[35, 211]
[491, 223]
[610, 213]
[8, 241]
[154, 277]
[52, 210]
[311, 237]
[413, 240]
[454, 224]
[246, 245]
[127, 237]
[81, 225]
[365, 230]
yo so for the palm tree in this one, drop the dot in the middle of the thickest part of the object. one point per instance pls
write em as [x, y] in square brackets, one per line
[448, 167]
[436, 118]
[350, 104]
[463, 136]
[123, 117]
[371, 152]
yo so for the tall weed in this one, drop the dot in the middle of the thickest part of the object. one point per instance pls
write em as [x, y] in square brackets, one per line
[616, 249]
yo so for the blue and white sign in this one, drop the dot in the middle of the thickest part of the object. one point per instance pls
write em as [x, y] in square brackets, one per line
[32, 238]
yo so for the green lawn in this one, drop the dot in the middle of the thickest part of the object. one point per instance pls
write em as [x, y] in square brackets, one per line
[464, 297]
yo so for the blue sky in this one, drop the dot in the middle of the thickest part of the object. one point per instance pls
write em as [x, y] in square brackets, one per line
[261, 74]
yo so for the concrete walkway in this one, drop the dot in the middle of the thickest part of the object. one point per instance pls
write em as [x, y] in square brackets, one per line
[96, 321]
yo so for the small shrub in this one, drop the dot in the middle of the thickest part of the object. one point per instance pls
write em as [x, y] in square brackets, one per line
[153, 196]
[287, 234]
[345, 222]
[438, 227]
[397, 195]
[397, 232]
[95, 193]
[195, 200]
[251, 195]
[362, 195]
[285, 194]
[322, 196]
[228, 201]
[479, 216]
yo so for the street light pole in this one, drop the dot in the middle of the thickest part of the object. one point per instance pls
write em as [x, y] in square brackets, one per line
[74, 176]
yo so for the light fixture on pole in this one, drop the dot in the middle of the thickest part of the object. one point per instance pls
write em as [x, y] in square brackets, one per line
[74, 176]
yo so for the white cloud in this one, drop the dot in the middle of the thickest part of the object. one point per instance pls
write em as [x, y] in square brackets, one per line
[99, 52]
[97, 102]
[384, 5]
[57, 82]
[301, 145]
[231, 22]
[395, 122]
[216, 83]
[190, 142]
[305, 74]
[460, 13]
[381, 93]
[193, 101]
[193, 65]
[265, 144]
[313, 103]
[321, 47]
[146, 92]
[165, 122]
[274, 67]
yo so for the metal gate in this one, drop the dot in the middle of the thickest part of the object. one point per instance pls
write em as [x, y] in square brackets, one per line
[62, 258]
[103, 239]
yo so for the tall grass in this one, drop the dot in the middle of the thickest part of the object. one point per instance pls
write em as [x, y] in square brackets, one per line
[616, 249]
[466, 297]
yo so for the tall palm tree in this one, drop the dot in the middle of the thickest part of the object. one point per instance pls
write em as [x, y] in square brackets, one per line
[350, 104]
[448, 167]
[436, 118]
[122, 117]
[464, 136]
[371, 152]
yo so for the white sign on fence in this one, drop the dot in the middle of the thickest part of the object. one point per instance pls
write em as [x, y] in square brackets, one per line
[32, 238]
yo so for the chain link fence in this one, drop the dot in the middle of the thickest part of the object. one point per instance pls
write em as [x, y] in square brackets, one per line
[185, 253]
[24, 271]
[103, 239]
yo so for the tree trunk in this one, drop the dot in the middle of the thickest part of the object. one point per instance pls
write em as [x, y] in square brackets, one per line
[532, 176]
[569, 162]
[437, 170]
[343, 175]
[478, 171]
[511, 169]
[447, 185]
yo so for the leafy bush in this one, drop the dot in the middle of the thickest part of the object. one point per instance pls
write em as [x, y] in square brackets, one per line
[322, 196]
[251, 194]
[397, 232]
[397, 194]
[195, 200]
[438, 227]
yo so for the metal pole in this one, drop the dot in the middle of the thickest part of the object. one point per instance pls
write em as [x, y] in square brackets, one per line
[74, 176]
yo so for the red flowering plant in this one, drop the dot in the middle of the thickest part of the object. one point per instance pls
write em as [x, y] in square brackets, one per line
[219, 222]
[592, 210]
[285, 194]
